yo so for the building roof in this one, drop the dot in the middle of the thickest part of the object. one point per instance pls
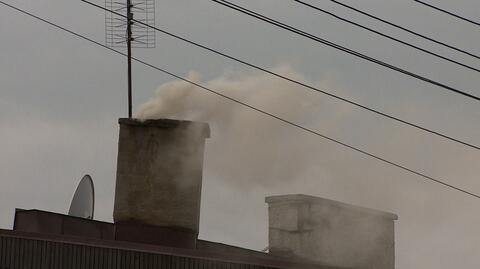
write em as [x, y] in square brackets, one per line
[63, 234]
[19, 249]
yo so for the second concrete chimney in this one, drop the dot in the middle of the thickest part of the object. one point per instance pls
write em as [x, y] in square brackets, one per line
[159, 181]
[331, 232]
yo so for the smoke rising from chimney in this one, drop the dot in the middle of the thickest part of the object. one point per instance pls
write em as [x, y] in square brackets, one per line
[257, 142]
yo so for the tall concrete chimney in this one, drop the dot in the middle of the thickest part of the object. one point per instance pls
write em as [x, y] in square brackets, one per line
[159, 181]
[331, 232]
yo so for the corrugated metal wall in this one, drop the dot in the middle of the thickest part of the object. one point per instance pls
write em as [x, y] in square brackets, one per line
[18, 253]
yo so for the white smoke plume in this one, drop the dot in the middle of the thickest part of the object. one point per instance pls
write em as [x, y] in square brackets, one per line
[240, 135]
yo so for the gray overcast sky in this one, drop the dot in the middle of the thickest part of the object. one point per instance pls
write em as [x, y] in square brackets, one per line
[60, 98]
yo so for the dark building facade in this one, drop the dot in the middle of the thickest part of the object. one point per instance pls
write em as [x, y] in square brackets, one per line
[27, 250]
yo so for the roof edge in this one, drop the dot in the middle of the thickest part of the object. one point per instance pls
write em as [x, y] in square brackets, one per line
[310, 199]
[166, 123]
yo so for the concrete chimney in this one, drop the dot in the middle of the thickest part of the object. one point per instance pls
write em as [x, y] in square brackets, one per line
[330, 232]
[159, 181]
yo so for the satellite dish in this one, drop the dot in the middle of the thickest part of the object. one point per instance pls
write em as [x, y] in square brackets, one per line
[83, 201]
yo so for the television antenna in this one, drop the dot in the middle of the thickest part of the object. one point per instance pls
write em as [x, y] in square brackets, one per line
[83, 200]
[123, 31]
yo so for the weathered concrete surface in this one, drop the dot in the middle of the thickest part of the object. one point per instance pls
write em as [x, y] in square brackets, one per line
[159, 172]
[331, 232]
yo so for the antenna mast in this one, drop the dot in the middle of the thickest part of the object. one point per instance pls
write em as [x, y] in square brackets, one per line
[129, 53]
[124, 30]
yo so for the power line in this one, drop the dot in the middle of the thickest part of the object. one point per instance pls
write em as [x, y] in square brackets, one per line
[406, 29]
[388, 36]
[448, 12]
[289, 79]
[339, 47]
[247, 105]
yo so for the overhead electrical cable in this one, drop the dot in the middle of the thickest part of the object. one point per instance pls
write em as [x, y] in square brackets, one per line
[426, 177]
[387, 36]
[448, 12]
[341, 48]
[407, 30]
[305, 85]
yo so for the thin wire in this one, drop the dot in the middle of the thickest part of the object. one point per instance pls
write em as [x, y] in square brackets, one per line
[290, 79]
[246, 105]
[406, 29]
[448, 12]
[341, 48]
[388, 36]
